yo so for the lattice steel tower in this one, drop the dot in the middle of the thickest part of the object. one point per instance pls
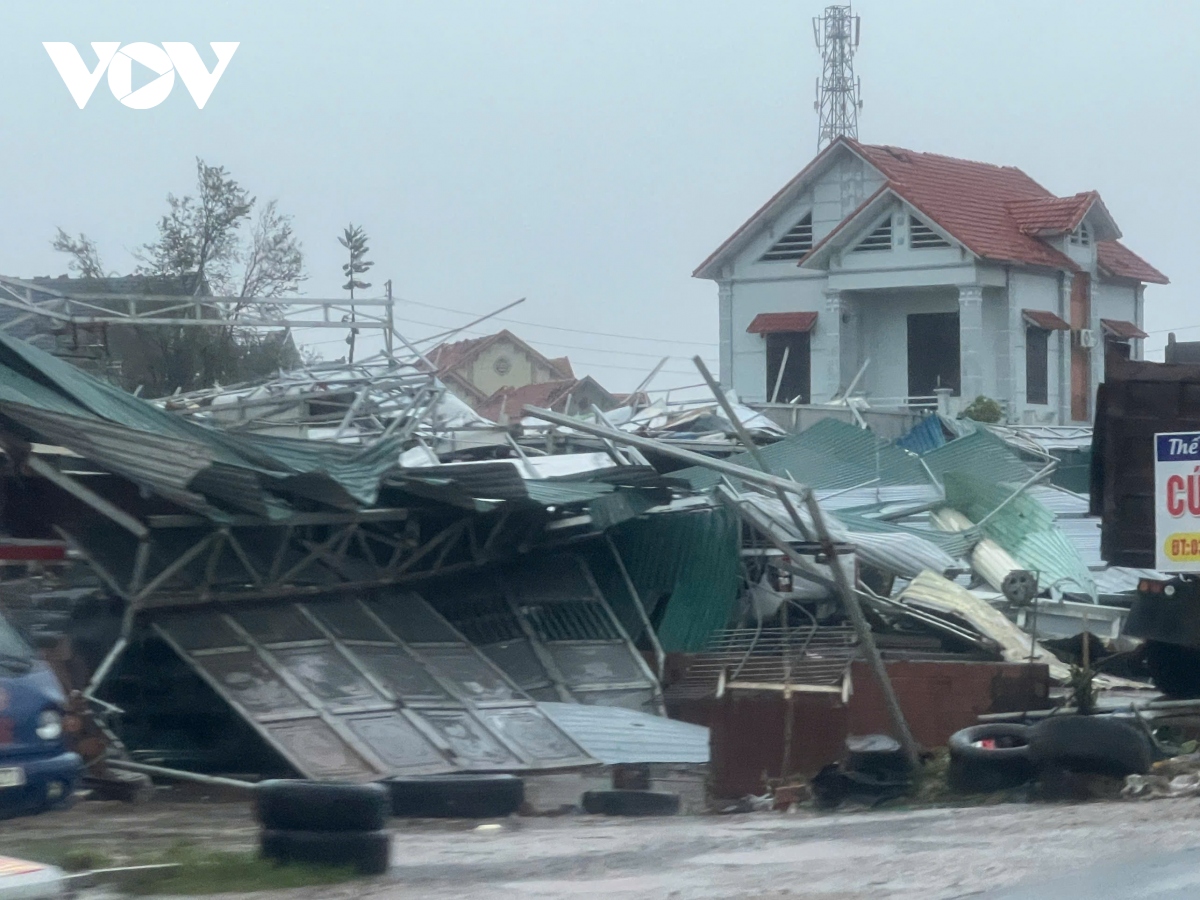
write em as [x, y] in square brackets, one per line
[838, 91]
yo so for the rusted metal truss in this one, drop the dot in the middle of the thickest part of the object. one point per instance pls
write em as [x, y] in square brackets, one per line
[185, 560]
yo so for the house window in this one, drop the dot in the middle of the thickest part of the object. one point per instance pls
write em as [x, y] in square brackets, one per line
[1037, 365]
[789, 367]
[921, 236]
[933, 360]
[879, 239]
[1081, 236]
[793, 245]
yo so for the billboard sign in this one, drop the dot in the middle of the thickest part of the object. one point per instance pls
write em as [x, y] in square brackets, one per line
[1177, 501]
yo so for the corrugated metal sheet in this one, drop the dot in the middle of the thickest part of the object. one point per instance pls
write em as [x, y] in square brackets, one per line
[1060, 501]
[936, 594]
[618, 736]
[687, 560]
[1024, 528]
[890, 549]
[881, 497]
[829, 455]
[1121, 580]
[982, 453]
[925, 436]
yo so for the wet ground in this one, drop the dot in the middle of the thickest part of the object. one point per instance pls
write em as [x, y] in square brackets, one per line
[939, 853]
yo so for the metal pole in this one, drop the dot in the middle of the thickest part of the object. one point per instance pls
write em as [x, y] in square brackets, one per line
[179, 774]
[748, 443]
[659, 656]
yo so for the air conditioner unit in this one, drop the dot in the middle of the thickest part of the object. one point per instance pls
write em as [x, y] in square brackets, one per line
[1087, 338]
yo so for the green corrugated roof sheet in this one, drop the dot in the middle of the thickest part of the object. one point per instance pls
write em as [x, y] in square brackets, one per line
[980, 452]
[828, 456]
[1025, 528]
[685, 560]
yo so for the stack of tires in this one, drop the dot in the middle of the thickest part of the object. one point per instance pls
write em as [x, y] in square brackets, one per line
[324, 824]
[1000, 756]
[462, 796]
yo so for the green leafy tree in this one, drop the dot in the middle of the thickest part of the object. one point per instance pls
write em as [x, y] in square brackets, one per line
[354, 239]
[210, 243]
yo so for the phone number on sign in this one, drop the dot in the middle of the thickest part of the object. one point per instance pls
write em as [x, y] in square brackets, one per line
[1183, 547]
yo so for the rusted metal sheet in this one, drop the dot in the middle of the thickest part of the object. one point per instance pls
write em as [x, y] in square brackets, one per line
[356, 690]
[749, 729]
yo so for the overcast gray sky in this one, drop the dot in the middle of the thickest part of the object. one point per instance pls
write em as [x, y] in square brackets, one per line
[588, 155]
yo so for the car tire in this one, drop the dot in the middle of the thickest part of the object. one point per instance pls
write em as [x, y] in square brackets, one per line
[1099, 745]
[1174, 669]
[975, 769]
[367, 852]
[321, 806]
[456, 796]
[631, 803]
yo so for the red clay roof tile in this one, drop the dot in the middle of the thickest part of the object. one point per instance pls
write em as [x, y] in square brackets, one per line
[1051, 215]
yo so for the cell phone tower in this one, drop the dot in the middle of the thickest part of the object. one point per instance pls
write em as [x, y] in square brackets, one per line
[839, 93]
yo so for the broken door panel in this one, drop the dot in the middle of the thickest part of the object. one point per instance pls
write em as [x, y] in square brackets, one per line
[411, 619]
[473, 747]
[532, 732]
[400, 673]
[397, 742]
[594, 665]
[244, 679]
[317, 750]
[348, 621]
[464, 666]
[340, 695]
[330, 677]
[277, 624]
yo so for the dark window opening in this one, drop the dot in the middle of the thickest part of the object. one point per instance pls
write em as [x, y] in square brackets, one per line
[1037, 365]
[879, 239]
[932, 353]
[789, 352]
[793, 245]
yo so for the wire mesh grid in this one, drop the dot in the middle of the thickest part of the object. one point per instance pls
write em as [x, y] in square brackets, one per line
[808, 656]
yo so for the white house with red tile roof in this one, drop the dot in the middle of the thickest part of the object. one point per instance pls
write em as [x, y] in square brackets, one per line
[941, 272]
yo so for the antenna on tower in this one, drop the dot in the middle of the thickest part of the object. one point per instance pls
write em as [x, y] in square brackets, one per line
[839, 93]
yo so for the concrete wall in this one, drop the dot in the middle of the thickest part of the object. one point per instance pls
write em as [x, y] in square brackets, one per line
[884, 334]
[1037, 291]
[749, 351]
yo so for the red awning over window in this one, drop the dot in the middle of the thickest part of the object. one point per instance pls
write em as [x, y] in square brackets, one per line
[1043, 319]
[1121, 329]
[773, 323]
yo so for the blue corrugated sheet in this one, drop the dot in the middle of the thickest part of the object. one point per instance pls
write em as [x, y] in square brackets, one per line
[926, 435]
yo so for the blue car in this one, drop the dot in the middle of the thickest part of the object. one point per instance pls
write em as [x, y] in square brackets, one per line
[37, 772]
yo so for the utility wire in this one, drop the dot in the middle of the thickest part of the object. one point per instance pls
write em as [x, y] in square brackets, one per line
[628, 337]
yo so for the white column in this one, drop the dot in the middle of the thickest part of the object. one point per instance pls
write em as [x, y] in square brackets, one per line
[829, 339]
[725, 336]
[970, 341]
